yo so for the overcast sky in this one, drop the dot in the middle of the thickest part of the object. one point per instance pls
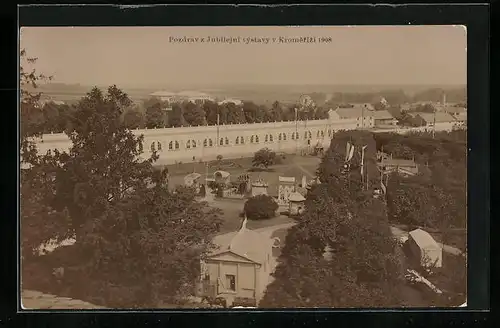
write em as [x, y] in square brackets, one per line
[143, 56]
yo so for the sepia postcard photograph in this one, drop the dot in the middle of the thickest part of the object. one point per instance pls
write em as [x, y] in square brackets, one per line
[256, 167]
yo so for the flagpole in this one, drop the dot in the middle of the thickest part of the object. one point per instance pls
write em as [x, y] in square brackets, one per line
[362, 167]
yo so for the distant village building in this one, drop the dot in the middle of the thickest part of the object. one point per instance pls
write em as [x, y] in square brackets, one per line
[425, 248]
[259, 187]
[382, 118]
[236, 102]
[442, 120]
[286, 186]
[295, 203]
[461, 119]
[360, 115]
[164, 96]
[401, 166]
[240, 268]
[191, 96]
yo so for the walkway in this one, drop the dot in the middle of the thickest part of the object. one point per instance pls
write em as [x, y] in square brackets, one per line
[304, 170]
[33, 300]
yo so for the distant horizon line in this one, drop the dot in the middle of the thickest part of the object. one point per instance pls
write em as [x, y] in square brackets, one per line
[251, 84]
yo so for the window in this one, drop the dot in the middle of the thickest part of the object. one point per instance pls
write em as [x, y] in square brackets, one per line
[240, 140]
[230, 282]
[173, 145]
[254, 139]
[271, 138]
[208, 143]
[227, 141]
[295, 136]
[308, 135]
[191, 144]
[221, 141]
[155, 146]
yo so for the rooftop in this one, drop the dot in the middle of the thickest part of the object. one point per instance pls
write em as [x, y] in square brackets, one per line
[163, 93]
[382, 115]
[354, 112]
[423, 239]
[440, 117]
[398, 162]
[451, 109]
[244, 242]
[296, 197]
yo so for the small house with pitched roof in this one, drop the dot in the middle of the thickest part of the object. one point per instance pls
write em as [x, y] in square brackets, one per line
[240, 267]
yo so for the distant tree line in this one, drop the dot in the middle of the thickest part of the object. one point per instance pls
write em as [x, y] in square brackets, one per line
[154, 113]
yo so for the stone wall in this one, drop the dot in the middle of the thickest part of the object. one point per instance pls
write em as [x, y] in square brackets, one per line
[201, 143]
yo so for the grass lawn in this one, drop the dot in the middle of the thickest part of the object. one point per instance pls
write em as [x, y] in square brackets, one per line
[287, 168]
[232, 220]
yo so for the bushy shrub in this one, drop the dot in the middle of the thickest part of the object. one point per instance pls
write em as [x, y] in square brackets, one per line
[260, 207]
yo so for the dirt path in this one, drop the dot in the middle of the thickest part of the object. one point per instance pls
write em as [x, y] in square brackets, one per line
[304, 170]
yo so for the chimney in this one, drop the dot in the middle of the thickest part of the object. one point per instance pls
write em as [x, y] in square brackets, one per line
[444, 99]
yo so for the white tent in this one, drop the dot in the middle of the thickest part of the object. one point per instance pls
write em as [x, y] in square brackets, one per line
[425, 248]
[191, 179]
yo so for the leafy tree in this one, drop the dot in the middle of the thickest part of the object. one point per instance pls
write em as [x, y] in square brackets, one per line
[176, 117]
[119, 207]
[235, 113]
[362, 269]
[155, 117]
[39, 221]
[264, 157]
[321, 113]
[276, 113]
[260, 207]
[193, 114]
[425, 108]
[211, 109]
[133, 119]
[251, 112]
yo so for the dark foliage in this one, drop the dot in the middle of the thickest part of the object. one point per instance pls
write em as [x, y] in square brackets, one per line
[260, 207]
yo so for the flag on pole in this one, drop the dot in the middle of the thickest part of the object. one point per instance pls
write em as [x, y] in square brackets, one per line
[351, 153]
[347, 151]
[363, 158]
[382, 186]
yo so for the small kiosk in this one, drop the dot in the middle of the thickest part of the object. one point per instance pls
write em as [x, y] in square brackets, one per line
[295, 203]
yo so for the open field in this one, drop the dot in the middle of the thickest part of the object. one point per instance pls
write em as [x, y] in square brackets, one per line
[232, 219]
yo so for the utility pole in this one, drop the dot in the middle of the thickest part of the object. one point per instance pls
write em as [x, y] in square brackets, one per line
[296, 131]
[218, 122]
[363, 117]
[434, 124]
